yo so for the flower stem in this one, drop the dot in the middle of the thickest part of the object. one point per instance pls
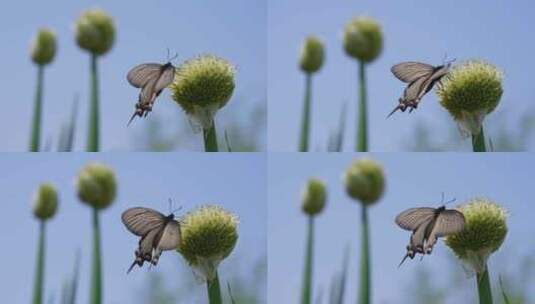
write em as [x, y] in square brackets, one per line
[93, 131]
[37, 111]
[478, 142]
[483, 287]
[306, 295]
[96, 271]
[362, 119]
[365, 284]
[214, 291]
[39, 270]
[210, 138]
[305, 120]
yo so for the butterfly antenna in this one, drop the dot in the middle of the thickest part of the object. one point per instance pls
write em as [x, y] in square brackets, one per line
[404, 258]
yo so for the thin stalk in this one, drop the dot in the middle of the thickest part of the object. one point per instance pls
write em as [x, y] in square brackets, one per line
[210, 139]
[96, 267]
[39, 268]
[364, 296]
[306, 291]
[214, 291]
[362, 119]
[93, 130]
[478, 142]
[305, 119]
[37, 111]
[483, 287]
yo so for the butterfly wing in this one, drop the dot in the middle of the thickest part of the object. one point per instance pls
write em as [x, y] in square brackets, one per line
[410, 71]
[415, 90]
[140, 221]
[418, 236]
[412, 218]
[141, 74]
[170, 236]
[166, 78]
[447, 222]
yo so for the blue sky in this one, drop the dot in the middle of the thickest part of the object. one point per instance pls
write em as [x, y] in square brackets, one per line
[236, 182]
[496, 31]
[145, 30]
[412, 179]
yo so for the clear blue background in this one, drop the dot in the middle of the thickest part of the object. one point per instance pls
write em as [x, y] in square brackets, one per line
[412, 179]
[236, 182]
[496, 31]
[235, 31]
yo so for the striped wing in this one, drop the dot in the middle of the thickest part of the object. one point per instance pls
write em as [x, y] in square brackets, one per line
[167, 76]
[410, 71]
[416, 90]
[448, 222]
[170, 237]
[411, 219]
[148, 92]
[140, 221]
[418, 236]
[140, 75]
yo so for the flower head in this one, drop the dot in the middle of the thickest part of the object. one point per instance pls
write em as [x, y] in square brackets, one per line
[484, 232]
[364, 181]
[313, 197]
[208, 236]
[45, 201]
[363, 39]
[96, 185]
[95, 31]
[470, 92]
[312, 55]
[202, 86]
[43, 47]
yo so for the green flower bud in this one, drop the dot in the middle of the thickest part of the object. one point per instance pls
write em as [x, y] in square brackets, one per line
[364, 181]
[96, 185]
[208, 235]
[45, 202]
[363, 39]
[202, 86]
[484, 232]
[43, 48]
[313, 197]
[470, 92]
[95, 31]
[312, 55]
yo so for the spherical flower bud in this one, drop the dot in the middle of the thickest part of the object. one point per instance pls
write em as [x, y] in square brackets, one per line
[484, 232]
[96, 185]
[43, 47]
[312, 55]
[313, 197]
[202, 86]
[45, 202]
[363, 39]
[95, 31]
[470, 92]
[364, 181]
[208, 235]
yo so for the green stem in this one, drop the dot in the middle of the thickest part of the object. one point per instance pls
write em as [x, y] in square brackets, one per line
[306, 296]
[210, 139]
[362, 120]
[37, 111]
[305, 119]
[96, 267]
[214, 291]
[93, 131]
[39, 270]
[365, 264]
[478, 142]
[483, 287]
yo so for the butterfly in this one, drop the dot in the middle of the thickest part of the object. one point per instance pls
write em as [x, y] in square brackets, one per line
[421, 78]
[427, 225]
[152, 78]
[157, 231]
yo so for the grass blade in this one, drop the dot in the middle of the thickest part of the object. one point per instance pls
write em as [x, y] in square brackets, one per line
[505, 297]
[338, 283]
[306, 291]
[362, 120]
[39, 267]
[478, 142]
[210, 139]
[67, 132]
[336, 140]
[96, 267]
[230, 294]
[227, 142]
[93, 129]
[214, 291]
[483, 287]
[364, 296]
[305, 119]
[37, 111]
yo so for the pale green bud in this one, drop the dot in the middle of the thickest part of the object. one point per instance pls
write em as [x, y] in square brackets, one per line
[95, 31]
[314, 197]
[45, 201]
[96, 185]
[43, 47]
[312, 55]
[364, 181]
[363, 39]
